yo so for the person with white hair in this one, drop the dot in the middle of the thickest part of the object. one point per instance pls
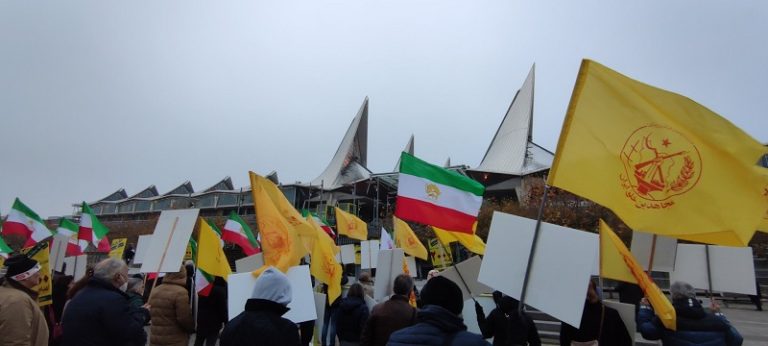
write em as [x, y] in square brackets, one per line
[695, 326]
[262, 323]
[101, 314]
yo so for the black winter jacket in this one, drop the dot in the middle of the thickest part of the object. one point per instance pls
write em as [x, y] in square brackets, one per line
[260, 324]
[100, 314]
[351, 318]
[436, 326]
[511, 328]
[212, 311]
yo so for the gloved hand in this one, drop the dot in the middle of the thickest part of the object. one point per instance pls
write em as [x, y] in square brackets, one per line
[479, 309]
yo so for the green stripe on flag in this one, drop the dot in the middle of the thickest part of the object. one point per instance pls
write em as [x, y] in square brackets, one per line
[25, 210]
[412, 165]
[99, 230]
[246, 229]
[69, 224]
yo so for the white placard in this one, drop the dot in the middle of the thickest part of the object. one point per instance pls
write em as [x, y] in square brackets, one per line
[250, 263]
[169, 241]
[561, 252]
[390, 266]
[369, 254]
[732, 268]
[320, 312]
[76, 266]
[412, 270]
[58, 251]
[627, 313]
[470, 316]
[663, 256]
[141, 248]
[348, 254]
[302, 306]
[469, 271]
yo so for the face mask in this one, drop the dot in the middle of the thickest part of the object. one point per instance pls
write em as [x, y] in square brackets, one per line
[124, 287]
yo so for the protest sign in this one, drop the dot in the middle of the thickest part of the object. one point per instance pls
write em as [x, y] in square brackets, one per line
[302, 305]
[627, 313]
[250, 263]
[348, 254]
[58, 251]
[141, 248]
[169, 241]
[117, 247]
[732, 268]
[369, 254]
[465, 276]
[390, 266]
[663, 254]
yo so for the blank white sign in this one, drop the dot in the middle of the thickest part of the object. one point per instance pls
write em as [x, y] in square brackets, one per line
[141, 248]
[302, 306]
[732, 268]
[663, 256]
[369, 254]
[390, 266]
[169, 241]
[76, 266]
[58, 251]
[627, 314]
[250, 263]
[348, 254]
[560, 271]
[469, 270]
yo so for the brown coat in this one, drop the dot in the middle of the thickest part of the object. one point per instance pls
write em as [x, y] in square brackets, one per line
[171, 315]
[21, 320]
[387, 318]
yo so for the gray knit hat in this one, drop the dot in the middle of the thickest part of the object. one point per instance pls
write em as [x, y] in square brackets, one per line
[681, 289]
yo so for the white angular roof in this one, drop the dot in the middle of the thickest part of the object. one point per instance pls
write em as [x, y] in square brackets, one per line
[512, 150]
[408, 149]
[349, 163]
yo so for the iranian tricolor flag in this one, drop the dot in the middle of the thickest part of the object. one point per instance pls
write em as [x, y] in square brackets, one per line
[25, 222]
[435, 196]
[92, 230]
[75, 246]
[236, 231]
[320, 222]
[5, 250]
[203, 283]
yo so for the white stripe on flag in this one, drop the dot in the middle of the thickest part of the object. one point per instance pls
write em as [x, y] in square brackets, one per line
[414, 187]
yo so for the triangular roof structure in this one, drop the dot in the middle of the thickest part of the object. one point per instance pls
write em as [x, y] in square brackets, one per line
[512, 150]
[408, 149]
[447, 162]
[114, 196]
[349, 163]
[149, 192]
[222, 185]
[184, 189]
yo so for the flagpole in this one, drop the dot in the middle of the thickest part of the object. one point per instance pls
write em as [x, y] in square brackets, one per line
[709, 275]
[653, 254]
[533, 248]
[463, 282]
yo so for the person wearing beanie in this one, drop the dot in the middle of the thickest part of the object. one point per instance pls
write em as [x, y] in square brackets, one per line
[101, 312]
[172, 321]
[21, 320]
[439, 322]
[695, 326]
[391, 315]
[262, 323]
[506, 324]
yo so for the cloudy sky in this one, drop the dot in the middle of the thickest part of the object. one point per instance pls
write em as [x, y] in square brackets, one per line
[98, 95]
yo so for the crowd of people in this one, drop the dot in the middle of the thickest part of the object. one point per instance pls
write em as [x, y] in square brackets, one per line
[109, 307]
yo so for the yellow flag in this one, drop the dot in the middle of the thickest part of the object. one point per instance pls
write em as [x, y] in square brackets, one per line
[350, 225]
[661, 305]
[324, 266]
[286, 209]
[471, 241]
[662, 162]
[41, 253]
[117, 247]
[407, 271]
[407, 240]
[210, 255]
[280, 241]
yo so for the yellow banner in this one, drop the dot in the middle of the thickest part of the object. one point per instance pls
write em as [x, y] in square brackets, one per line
[324, 266]
[662, 162]
[407, 240]
[40, 253]
[471, 241]
[117, 247]
[441, 257]
[350, 225]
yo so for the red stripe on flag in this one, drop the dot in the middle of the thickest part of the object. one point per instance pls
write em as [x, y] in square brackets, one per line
[237, 239]
[429, 214]
[104, 245]
[85, 234]
[205, 291]
[15, 228]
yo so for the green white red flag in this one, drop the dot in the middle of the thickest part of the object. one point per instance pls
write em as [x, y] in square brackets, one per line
[25, 222]
[435, 196]
[236, 231]
[92, 230]
[203, 283]
[75, 246]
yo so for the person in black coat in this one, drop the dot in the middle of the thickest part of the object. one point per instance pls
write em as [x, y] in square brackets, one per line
[439, 322]
[101, 314]
[211, 313]
[261, 322]
[506, 324]
[352, 315]
[598, 322]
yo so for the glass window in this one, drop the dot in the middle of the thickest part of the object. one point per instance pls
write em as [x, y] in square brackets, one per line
[162, 204]
[206, 201]
[227, 199]
[142, 206]
[126, 207]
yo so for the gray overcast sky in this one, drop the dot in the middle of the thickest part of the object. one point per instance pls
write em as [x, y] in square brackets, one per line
[98, 95]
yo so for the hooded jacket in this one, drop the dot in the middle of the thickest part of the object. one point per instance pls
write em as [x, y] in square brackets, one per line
[351, 318]
[171, 315]
[436, 326]
[612, 332]
[21, 321]
[506, 325]
[695, 326]
[100, 314]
